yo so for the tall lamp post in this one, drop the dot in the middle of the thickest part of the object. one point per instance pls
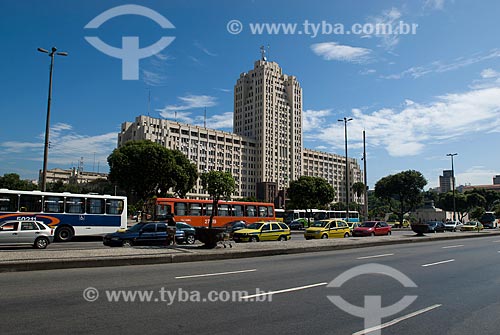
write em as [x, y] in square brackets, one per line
[345, 120]
[453, 183]
[51, 54]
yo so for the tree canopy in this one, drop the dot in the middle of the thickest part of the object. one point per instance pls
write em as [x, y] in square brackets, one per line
[310, 193]
[13, 181]
[146, 169]
[406, 187]
[219, 185]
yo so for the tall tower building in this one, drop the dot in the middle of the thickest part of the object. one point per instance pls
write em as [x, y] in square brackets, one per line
[446, 181]
[268, 109]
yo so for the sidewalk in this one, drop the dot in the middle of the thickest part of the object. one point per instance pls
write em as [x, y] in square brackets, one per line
[47, 259]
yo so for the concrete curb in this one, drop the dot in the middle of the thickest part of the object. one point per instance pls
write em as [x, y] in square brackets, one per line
[14, 266]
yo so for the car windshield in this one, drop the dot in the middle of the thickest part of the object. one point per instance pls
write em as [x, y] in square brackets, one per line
[319, 224]
[255, 225]
[368, 224]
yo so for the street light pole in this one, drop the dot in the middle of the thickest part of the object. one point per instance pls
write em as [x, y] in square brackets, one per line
[453, 183]
[365, 193]
[47, 122]
[345, 120]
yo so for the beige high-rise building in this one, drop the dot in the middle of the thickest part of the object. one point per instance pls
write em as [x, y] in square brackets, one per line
[268, 108]
[265, 152]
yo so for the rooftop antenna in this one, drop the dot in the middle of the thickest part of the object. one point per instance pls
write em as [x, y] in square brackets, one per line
[175, 116]
[268, 47]
[149, 100]
[205, 118]
[263, 53]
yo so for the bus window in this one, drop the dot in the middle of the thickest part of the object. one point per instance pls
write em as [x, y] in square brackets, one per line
[208, 209]
[223, 210]
[162, 211]
[262, 211]
[95, 206]
[8, 202]
[195, 209]
[75, 205]
[180, 208]
[114, 206]
[30, 203]
[270, 212]
[53, 204]
[251, 211]
[238, 210]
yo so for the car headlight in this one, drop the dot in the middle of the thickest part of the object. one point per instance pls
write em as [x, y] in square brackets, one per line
[317, 232]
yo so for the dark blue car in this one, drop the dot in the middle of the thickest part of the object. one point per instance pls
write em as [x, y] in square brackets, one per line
[143, 233]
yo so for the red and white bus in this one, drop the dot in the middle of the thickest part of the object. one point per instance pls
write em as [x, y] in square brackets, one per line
[197, 212]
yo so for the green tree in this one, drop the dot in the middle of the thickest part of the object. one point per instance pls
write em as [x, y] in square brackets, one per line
[359, 188]
[477, 212]
[310, 193]
[12, 181]
[406, 187]
[464, 202]
[145, 169]
[219, 185]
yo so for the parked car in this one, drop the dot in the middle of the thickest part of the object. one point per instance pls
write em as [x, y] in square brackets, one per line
[472, 225]
[353, 225]
[327, 229]
[142, 233]
[18, 232]
[189, 232]
[233, 226]
[372, 228]
[453, 225]
[397, 224]
[428, 227]
[296, 224]
[263, 231]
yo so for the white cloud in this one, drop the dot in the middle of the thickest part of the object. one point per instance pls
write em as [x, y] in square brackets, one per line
[66, 146]
[408, 130]
[390, 17]
[489, 73]
[476, 175]
[220, 121]
[205, 50]
[434, 4]
[155, 71]
[440, 67]
[335, 51]
[314, 119]
[187, 102]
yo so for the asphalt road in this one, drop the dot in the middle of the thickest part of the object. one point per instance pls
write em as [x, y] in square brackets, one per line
[459, 279]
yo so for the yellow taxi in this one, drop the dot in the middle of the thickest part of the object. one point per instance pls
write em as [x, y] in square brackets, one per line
[328, 229]
[263, 231]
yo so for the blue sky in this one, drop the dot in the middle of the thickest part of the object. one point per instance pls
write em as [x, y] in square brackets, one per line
[418, 96]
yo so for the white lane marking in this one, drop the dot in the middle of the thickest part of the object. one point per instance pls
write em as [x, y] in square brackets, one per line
[215, 274]
[498, 241]
[453, 246]
[437, 263]
[284, 291]
[393, 322]
[375, 256]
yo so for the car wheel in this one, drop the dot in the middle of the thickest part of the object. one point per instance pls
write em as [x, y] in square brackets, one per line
[282, 238]
[190, 239]
[254, 239]
[127, 244]
[41, 243]
[64, 234]
[324, 236]
[346, 235]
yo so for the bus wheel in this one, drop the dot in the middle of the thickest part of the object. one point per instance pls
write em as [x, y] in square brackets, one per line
[64, 234]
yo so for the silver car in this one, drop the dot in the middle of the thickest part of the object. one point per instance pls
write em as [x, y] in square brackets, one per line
[34, 233]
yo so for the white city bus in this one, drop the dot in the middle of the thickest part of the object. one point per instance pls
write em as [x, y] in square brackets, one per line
[69, 214]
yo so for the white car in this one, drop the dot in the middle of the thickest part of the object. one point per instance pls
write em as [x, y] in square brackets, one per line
[453, 225]
[34, 233]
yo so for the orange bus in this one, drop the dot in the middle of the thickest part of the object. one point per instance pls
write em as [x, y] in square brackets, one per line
[197, 212]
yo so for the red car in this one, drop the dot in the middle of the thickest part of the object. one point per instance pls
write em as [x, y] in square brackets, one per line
[372, 228]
